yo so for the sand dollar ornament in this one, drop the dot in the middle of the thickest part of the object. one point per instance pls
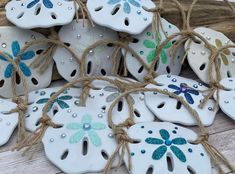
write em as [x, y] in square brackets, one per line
[38, 99]
[40, 13]
[146, 44]
[122, 15]
[12, 41]
[166, 148]
[227, 97]
[83, 144]
[8, 122]
[79, 37]
[198, 54]
[169, 109]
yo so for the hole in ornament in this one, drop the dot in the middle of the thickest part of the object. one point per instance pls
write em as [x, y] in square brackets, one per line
[136, 112]
[103, 72]
[178, 105]
[64, 155]
[37, 9]
[38, 122]
[98, 8]
[74, 72]
[135, 40]
[20, 15]
[18, 79]
[38, 52]
[150, 170]
[2, 83]
[203, 66]
[190, 170]
[109, 45]
[156, 66]
[170, 163]
[141, 69]
[85, 147]
[120, 106]
[229, 74]
[197, 41]
[89, 67]
[161, 105]
[168, 70]
[233, 53]
[53, 16]
[173, 42]
[103, 108]
[115, 9]
[55, 110]
[104, 155]
[126, 22]
[34, 81]
[67, 44]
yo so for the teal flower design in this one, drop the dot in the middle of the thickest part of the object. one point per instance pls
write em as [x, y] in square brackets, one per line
[127, 4]
[86, 127]
[46, 3]
[166, 143]
[15, 47]
[59, 100]
[152, 44]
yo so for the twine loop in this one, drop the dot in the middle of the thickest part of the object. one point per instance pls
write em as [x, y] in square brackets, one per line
[21, 104]
[46, 121]
[203, 137]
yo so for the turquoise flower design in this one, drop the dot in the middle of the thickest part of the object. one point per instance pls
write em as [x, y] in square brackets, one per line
[15, 47]
[127, 4]
[166, 143]
[59, 100]
[46, 3]
[86, 127]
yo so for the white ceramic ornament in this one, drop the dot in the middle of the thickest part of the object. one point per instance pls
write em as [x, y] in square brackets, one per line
[30, 14]
[227, 97]
[169, 109]
[79, 37]
[163, 147]
[122, 15]
[145, 44]
[198, 54]
[38, 99]
[83, 144]
[12, 41]
[8, 122]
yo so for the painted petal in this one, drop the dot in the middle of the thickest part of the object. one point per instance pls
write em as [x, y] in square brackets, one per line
[33, 3]
[86, 119]
[62, 104]
[25, 69]
[112, 2]
[42, 101]
[179, 141]
[218, 43]
[159, 152]
[178, 153]
[76, 138]
[112, 97]
[163, 57]
[98, 126]
[65, 97]
[164, 134]
[95, 139]
[224, 59]
[188, 98]
[149, 44]
[153, 141]
[126, 8]
[15, 47]
[8, 71]
[3, 58]
[47, 3]
[174, 87]
[133, 2]
[227, 52]
[74, 126]
[27, 55]
[192, 91]
[168, 45]
[177, 92]
[111, 89]
[151, 56]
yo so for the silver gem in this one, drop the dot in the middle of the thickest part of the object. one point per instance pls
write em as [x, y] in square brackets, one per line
[92, 96]
[91, 52]
[208, 38]
[203, 53]
[4, 45]
[23, 4]
[59, 3]
[69, 110]
[227, 42]
[145, 19]
[174, 80]
[108, 57]
[63, 135]
[193, 52]
[165, 90]
[62, 62]
[86, 126]
[101, 35]
[210, 108]
[100, 115]
[35, 108]
[103, 111]
[233, 60]
[226, 102]
[203, 32]
[13, 8]
[42, 93]
[141, 98]
[8, 123]
[70, 8]
[168, 76]
[155, 93]
[102, 94]
[79, 36]
[77, 102]
[138, 12]
[110, 135]
[33, 37]
[70, 59]
[74, 115]
[36, 92]
[195, 86]
[51, 140]
[200, 84]
[27, 115]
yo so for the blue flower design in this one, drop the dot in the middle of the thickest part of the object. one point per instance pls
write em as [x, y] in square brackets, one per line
[46, 3]
[86, 127]
[59, 100]
[187, 91]
[166, 143]
[126, 5]
[15, 47]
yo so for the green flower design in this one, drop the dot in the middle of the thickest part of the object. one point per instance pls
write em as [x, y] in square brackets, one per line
[152, 44]
[166, 143]
[86, 127]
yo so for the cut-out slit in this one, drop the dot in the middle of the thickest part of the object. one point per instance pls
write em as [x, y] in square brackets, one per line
[18, 79]
[115, 9]
[141, 69]
[150, 170]
[64, 155]
[161, 105]
[37, 9]
[74, 72]
[98, 8]
[170, 164]
[178, 105]
[103, 108]
[55, 110]
[34, 81]
[85, 147]
[20, 15]
[229, 74]
[168, 70]
[120, 105]
[156, 66]
[37, 123]
[38, 52]
[104, 154]
[135, 40]
[136, 112]
[2, 83]
[67, 44]
[53, 16]
[103, 72]
[89, 67]
[190, 170]
[203, 66]
[126, 22]
[110, 45]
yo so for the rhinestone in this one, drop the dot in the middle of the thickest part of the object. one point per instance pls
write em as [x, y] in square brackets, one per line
[200, 84]
[101, 35]
[70, 59]
[62, 62]
[86, 126]
[77, 102]
[208, 38]
[193, 52]
[165, 90]
[51, 140]
[108, 57]
[59, 3]
[174, 80]
[27, 115]
[203, 32]
[103, 111]
[23, 4]
[138, 12]
[168, 76]
[100, 115]
[210, 108]
[233, 60]
[74, 115]
[145, 19]
[143, 151]
[13, 8]
[195, 86]
[141, 98]
[226, 102]
[69, 110]
[42, 93]
[73, 28]
[155, 93]
[79, 36]
[36, 92]
[63, 135]
[168, 142]
[33, 37]
[91, 96]
[102, 94]
[70, 8]
[91, 52]
[110, 135]
[226, 42]
[8, 123]
[35, 108]
[4, 45]
[203, 53]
